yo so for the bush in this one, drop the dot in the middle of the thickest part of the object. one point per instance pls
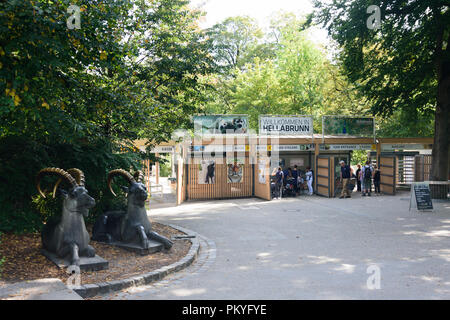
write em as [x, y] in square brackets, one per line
[2, 259]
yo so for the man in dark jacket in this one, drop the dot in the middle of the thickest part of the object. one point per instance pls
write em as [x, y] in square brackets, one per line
[346, 173]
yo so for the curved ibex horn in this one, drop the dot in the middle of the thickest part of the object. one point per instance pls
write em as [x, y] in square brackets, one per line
[74, 172]
[57, 172]
[119, 172]
[139, 176]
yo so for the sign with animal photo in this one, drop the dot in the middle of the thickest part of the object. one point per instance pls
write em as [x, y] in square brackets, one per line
[262, 171]
[207, 172]
[422, 196]
[221, 124]
[348, 126]
[235, 170]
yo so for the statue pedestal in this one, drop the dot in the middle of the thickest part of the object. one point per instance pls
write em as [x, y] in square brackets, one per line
[86, 264]
[154, 247]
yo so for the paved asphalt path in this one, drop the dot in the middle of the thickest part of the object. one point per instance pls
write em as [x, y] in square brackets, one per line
[309, 248]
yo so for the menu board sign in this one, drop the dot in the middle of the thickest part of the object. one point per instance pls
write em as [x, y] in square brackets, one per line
[423, 196]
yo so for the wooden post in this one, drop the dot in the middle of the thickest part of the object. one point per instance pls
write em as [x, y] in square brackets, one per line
[157, 169]
[378, 153]
[316, 153]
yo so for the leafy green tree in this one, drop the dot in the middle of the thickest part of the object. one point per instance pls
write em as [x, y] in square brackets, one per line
[79, 97]
[418, 125]
[291, 82]
[402, 65]
[237, 41]
[300, 68]
[257, 91]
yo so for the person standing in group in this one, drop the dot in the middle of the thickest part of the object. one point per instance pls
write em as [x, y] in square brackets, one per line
[367, 173]
[358, 177]
[309, 180]
[376, 180]
[285, 175]
[346, 173]
[295, 176]
[279, 181]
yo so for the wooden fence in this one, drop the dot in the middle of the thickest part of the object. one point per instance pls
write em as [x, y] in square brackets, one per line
[220, 188]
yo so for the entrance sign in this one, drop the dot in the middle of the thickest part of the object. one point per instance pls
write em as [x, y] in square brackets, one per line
[286, 147]
[220, 148]
[163, 149]
[420, 191]
[220, 124]
[286, 125]
[348, 126]
[405, 146]
[346, 147]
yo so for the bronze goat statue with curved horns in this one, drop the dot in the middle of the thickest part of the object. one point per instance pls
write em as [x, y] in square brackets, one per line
[68, 237]
[132, 226]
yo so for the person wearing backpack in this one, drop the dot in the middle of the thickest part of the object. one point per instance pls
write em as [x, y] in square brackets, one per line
[367, 172]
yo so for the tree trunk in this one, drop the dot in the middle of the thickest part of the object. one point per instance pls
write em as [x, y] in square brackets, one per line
[440, 165]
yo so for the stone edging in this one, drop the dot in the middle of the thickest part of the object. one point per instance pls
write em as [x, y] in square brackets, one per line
[93, 289]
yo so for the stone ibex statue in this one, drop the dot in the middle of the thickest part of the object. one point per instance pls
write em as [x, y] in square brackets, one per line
[68, 237]
[132, 226]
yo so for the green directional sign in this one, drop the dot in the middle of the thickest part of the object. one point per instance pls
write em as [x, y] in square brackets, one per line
[348, 126]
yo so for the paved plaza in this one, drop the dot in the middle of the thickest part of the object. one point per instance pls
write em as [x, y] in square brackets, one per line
[309, 248]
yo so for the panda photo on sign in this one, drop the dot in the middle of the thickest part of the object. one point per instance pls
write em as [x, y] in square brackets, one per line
[237, 125]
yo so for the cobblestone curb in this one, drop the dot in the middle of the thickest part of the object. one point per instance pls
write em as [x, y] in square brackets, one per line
[93, 289]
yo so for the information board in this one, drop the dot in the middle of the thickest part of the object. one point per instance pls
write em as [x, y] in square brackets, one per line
[348, 126]
[422, 196]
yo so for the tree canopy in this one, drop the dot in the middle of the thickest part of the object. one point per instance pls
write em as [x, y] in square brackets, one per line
[402, 67]
[295, 78]
[79, 97]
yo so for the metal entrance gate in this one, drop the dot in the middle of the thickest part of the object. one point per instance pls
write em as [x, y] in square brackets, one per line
[422, 167]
